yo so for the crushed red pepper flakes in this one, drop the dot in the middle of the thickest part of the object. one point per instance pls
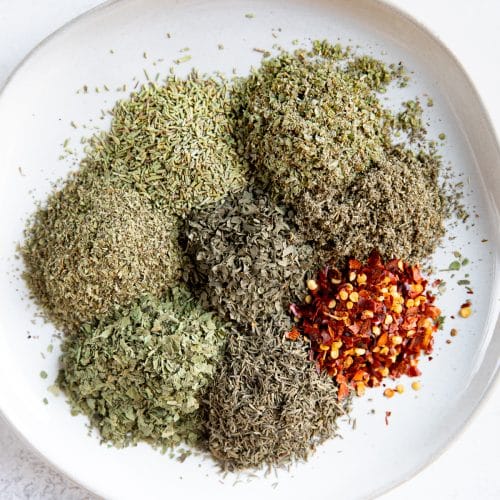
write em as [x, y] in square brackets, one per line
[367, 323]
[387, 415]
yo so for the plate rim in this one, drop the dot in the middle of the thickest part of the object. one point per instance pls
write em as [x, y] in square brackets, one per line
[494, 381]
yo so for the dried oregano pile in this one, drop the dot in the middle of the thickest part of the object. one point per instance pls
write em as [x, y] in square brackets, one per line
[318, 136]
[171, 257]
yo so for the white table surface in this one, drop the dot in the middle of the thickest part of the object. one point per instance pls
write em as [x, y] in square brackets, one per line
[471, 467]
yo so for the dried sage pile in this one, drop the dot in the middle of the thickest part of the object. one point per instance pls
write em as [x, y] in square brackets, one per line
[249, 262]
[314, 129]
[268, 405]
[139, 374]
[94, 247]
[173, 144]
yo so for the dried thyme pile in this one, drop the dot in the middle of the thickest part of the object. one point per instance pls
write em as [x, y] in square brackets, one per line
[173, 144]
[249, 263]
[268, 405]
[94, 247]
[313, 127]
[140, 373]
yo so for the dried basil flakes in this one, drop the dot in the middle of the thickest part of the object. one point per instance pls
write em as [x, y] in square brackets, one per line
[248, 261]
[93, 247]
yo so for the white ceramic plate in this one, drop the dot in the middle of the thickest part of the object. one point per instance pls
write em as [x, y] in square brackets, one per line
[105, 47]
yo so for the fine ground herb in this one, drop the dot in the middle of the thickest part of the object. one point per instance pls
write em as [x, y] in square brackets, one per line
[173, 144]
[93, 247]
[313, 127]
[139, 374]
[249, 263]
[267, 404]
[396, 207]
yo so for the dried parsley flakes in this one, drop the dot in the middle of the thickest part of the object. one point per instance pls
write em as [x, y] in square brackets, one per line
[139, 374]
[93, 247]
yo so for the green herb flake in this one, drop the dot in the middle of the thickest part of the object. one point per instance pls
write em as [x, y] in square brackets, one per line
[43, 374]
[183, 59]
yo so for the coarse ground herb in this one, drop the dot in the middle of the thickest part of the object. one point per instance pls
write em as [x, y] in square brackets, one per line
[305, 124]
[93, 247]
[249, 263]
[173, 144]
[312, 125]
[267, 404]
[140, 373]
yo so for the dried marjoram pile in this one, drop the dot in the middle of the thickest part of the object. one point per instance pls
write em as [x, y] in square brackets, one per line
[173, 144]
[140, 373]
[93, 247]
[396, 207]
[249, 262]
[312, 125]
[267, 404]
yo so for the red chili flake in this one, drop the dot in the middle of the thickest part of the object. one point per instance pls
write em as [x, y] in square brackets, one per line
[367, 323]
[387, 415]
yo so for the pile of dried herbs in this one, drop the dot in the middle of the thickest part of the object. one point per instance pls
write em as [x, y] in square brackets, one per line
[170, 259]
[396, 207]
[248, 261]
[313, 127]
[173, 144]
[94, 247]
[268, 405]
[140, 373]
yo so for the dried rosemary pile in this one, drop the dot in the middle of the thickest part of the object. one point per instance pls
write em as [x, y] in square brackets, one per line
[94, 247]
[314, 129]
[140, 373]
[173, 144]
